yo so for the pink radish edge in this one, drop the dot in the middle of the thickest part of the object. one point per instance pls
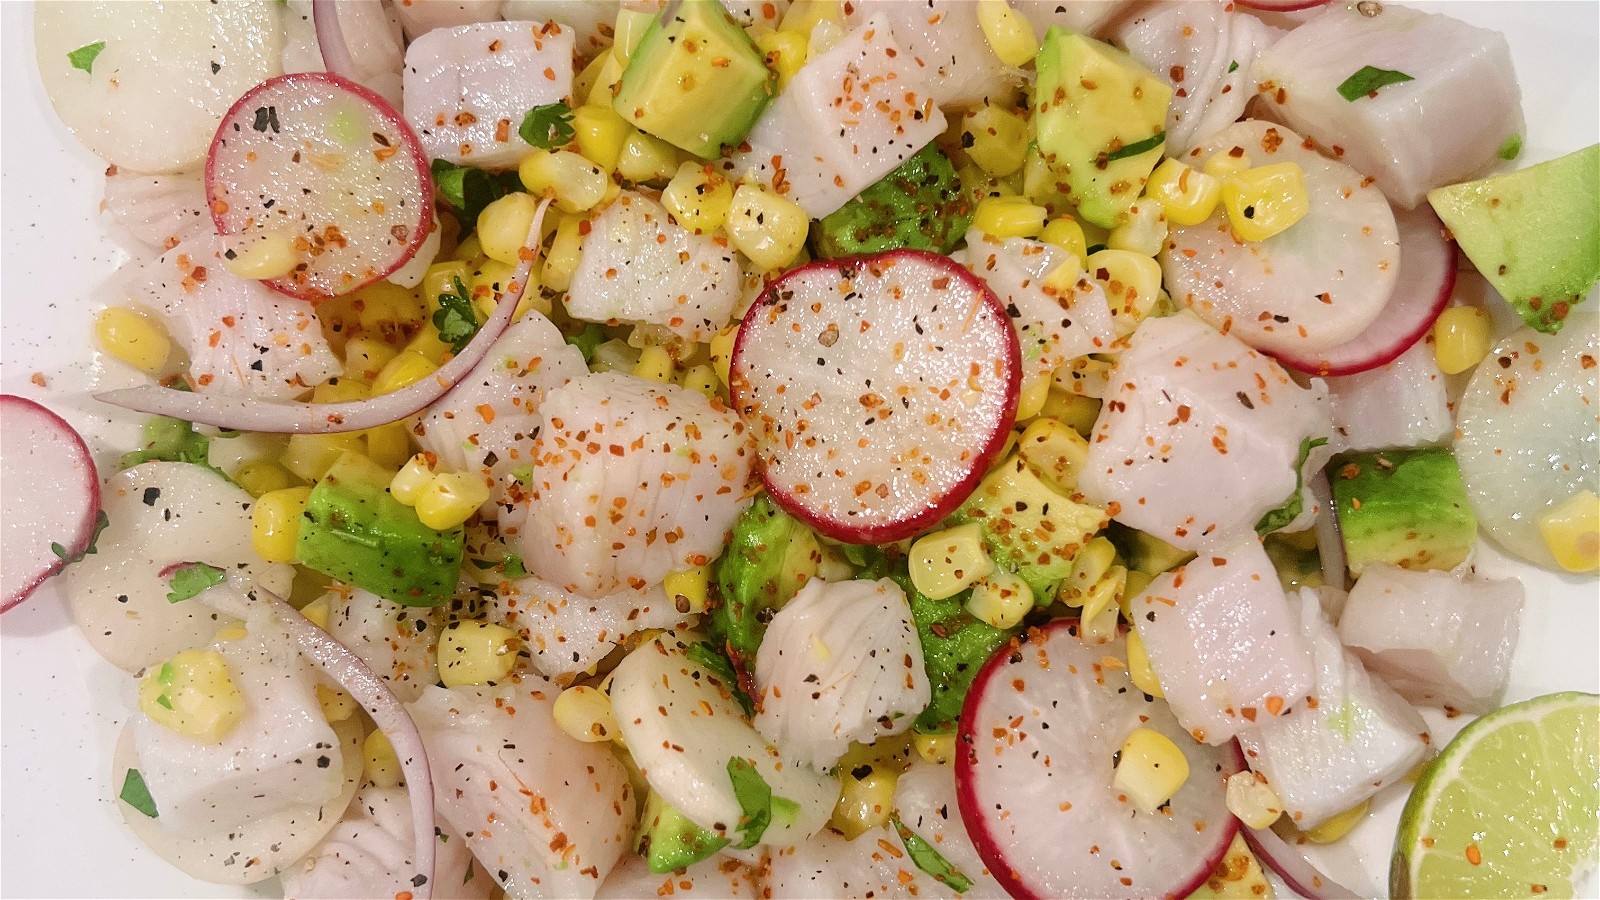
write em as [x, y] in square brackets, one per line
[413, 147]
[1281, 5]
[1292, 866]
[70, 447]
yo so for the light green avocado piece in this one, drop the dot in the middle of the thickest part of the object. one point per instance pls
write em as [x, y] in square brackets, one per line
[669, 841]
[1534, 233]
[1407, 508]
[696, 80]
[1099, 122]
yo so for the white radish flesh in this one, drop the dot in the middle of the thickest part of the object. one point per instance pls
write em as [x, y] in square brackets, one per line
[1303, 291]
[1399, 404]
[329, 166]
[179, 64]
[565, 634]
[713, 878]
[1057, 319]
[926, 802]
[879, 390]
[1037, 751]
[52, 496]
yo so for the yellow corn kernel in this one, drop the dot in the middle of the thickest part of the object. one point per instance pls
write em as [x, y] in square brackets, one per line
[1035, 389]
[491, 279]
[584, 714]
[1008, 217]
[407, 368]
[317, 611]
[1055, 451]
[702, 378]
[785, 52]
[384, 307]
[583, 83]
[655, 364]
[1144, 231]
[1186, 196]
[476, 653]
[1252, 800]
[441, 279]
[1266, 200]
[1139, 671]
[469, 249]
[1092, 564]
[1105, 595]
[630, 27]
[947, 562]
[136, 339]
[192, 694]
[503, 225]
[1075, 411]
[803, 16]
[698, 197]
[939, 749]
[600, 131]
[336, 704]
[1000, 600]
[1083, 376]
[1150, 769]
[1571, 531]
[689, 589]
[575, 182]
[1132, 586]
[262, 476]
[1066, 233]
[765, 227]
[270, 255]
[603, 88]
[310, 456]
[1010, 36]
[382, 764]
[562, 259]
[865, 802]
[647, 159]
[722, 351]
[1226, 162]
[413, 478]
[389, 445]
[450, 499]
[977, 183]
[1338, 826]
[365, 357]
[995, 139]
[275, 523]
[233, 633]
[1132, 283]
[1460, 338]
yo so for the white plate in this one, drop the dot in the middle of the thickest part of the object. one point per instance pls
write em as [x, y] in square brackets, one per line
[62, 707]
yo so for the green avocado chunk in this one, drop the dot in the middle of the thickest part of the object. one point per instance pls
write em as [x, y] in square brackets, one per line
[955, 646]
[921, 205]
[1533, 233]
[354, 531]
[669, 841]
[1407, 508]
[696, 80]
[770, 557]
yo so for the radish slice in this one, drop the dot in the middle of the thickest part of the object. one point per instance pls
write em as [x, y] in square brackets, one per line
[248, 414]
[52, 497]
[1292, 866]
[328, 165]
[1422, 288]
[1034, 777]
[330, 40]
[879, 389]
[1281, 5]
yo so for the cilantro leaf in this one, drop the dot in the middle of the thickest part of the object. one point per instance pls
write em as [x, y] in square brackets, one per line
[706, 656]
[1233, 66]
[1509, 150]
[467, 190]
[172, 440]
[1137, 147]
[548, 126]
[100, 523]
[1283, 515]
[930, 860]
[588, 340]
[189, 580]
[755, 801]
[514, 567]
[84, 57]
[136, 793]
[1367, 80]
[455, 318]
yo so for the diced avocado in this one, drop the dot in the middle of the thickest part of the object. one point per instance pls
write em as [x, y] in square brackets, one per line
[1294, 557]
[696, 80]
[1029, 527]
[354, 531]
[1534, 233]
[669, 841]
[921, 205]
[1145, 552]
[1407, 508]
[770, 557]
[954, 646]
[1099, 121]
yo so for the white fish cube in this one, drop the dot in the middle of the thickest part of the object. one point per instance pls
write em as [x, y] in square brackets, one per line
[945, 38]
[1054, 322]
[566, 633]
[467, 88]
[1399, 404]
[1438, 638]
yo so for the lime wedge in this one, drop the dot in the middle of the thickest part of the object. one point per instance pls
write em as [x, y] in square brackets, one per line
[1511, 808]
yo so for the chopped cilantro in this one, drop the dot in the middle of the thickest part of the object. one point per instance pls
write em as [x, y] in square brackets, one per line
[456, 320]
[1509, 150]
[548, 126]
[467, 190]
[588, 340]
[84, 57]
[1290, 510]
[1233, 66]
[136, 794]
[755, 800]
[467, 877]
[100, 523]
[929, 860]
[1367, 80]
[172, 440]
[1137, 147]
[514, 567]
[189, 580]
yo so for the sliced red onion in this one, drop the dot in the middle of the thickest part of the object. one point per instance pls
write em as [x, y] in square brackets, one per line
[330, 39]
[277, 417]
[1330, 543]
[1292, 866]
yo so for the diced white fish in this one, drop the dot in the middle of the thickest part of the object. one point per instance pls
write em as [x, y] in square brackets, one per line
[828, 865]
[566, 634]
[944, 37]
[636, 265]
[1200, 436]
[161, 514]
[242, 337]
[839, 663]
[1438, 638]
[632, 480]
[488, 422]
[396, 642]
[468, 88]
[1341, 745]
[849, 117]
[590, 20]
[1056, 318]
[411, 273]
[1205, 50]
[925, 802]
[418, 17]
[684, 728]
[1445, 123]
[713, 878]
[371, 32]
[1224, 642]
[158, 211]
[545, 815]
[1091, 17]
[1400, 404]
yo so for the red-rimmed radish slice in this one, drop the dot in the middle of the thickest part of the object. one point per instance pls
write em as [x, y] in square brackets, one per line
[1422, 290]
[330, 168]
[252, 414]
[1037, 744]
[1282, 5]
[330, 39]
[52, 497]
[1292, 866]
[879, 389]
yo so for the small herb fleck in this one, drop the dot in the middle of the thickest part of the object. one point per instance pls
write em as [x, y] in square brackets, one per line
[189, 580]
[1511, 148]
[136, 794]
[455, 318]
[1138, 147]
[548, 126]
[83, 58]
[1233, 66]
[930, 860]
[1367, 80]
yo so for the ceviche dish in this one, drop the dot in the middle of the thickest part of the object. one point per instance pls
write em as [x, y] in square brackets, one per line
[829, 448]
